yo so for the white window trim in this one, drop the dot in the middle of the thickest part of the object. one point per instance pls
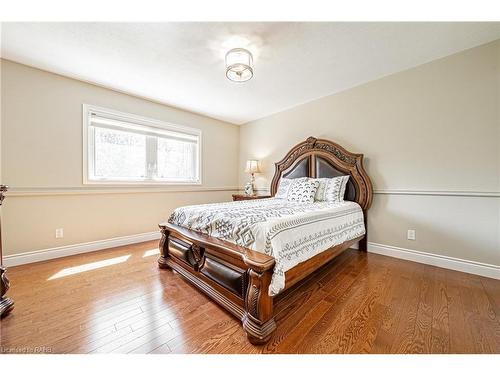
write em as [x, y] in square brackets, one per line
[87, 108]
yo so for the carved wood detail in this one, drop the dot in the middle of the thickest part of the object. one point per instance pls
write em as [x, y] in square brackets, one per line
[6, 304]
[258, 321]
[252, 300]
[163, 246]
[338, 157]
[198, 256]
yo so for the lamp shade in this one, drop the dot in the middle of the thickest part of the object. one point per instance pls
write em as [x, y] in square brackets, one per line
[252, 166]
[239, 65]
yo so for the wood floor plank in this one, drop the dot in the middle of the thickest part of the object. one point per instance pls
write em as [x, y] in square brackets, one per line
[179, 326]
[183, 342]
[344, 300]
[392, 315]
[440, 340]
[406, 324]
[472, 317]
[486, 315]
[461, 340]
[490, 287]
[422, 333]
[350, 321]
[368, 333]
[208, 339]
[358, 303]
[305, 315]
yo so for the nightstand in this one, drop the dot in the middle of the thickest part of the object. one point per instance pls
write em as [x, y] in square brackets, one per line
[243, 197]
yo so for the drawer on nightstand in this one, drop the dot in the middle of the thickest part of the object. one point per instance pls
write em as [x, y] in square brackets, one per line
[243, 197]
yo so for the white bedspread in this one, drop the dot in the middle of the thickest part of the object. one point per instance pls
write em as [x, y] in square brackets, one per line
[288, 231]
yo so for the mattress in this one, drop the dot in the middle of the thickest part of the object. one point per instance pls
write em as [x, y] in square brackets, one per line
[290, 232]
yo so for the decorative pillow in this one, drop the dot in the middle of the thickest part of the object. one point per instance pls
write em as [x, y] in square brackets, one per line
[283, 187]
[303, 190]
[331, 189]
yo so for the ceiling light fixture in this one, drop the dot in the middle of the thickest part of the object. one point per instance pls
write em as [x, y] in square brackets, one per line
[239, 65]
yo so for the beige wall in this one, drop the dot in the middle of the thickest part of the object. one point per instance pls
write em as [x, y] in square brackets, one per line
[42, 162]
[432, 128]
[435, 127]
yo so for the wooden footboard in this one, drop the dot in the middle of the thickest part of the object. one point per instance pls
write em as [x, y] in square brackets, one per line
[235, 277]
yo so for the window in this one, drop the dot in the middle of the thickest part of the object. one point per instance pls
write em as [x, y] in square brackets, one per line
[123, 148]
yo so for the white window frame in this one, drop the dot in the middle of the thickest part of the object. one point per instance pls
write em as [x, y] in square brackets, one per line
[140, 120]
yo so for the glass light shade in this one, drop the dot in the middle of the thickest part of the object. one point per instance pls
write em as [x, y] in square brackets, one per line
[239, 65]
[252, 166]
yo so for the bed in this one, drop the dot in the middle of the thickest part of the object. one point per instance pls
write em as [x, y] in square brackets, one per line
[244, 254]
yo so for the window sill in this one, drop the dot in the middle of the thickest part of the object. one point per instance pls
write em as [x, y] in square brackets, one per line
[138, 183]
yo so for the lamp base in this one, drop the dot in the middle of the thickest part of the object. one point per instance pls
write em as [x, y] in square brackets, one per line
[249, 189]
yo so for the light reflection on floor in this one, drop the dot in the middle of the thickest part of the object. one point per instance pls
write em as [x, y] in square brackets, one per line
[88, 267]
[151, 252]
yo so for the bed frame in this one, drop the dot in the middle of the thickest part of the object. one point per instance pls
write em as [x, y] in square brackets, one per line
[238, 278]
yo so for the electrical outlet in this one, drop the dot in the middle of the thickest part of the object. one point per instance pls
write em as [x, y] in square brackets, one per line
[411, 234]
[59, 233]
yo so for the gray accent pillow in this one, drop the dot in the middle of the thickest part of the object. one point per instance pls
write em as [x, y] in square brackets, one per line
[331, 189]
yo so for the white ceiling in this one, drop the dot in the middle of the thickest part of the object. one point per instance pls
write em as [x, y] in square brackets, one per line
[182, 64]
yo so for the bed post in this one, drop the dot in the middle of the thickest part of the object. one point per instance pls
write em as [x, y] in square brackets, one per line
[162, 259]
[258, 321]
[363, 243]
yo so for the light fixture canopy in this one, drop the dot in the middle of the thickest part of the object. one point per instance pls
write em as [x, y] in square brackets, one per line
[239, 65]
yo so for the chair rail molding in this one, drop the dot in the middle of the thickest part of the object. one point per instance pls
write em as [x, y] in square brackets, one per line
[451, 193]
[79, 190]
[454, 193]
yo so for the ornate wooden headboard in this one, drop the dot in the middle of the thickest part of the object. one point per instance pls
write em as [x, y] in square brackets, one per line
[319, 158]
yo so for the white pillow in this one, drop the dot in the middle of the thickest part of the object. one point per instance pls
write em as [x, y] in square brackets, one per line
[283, 187]
[302, 190]
[331, 189]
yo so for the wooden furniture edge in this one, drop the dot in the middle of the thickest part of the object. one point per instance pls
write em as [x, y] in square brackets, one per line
[304, 269]
[258, 261]
[6, 303]
[242, 197]
[188, 252]
[338, 156]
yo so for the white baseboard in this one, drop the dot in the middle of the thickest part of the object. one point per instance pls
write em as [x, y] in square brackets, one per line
[64, 251]
[468, 266]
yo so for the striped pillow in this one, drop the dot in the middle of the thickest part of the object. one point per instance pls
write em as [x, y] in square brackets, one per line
[331, 189]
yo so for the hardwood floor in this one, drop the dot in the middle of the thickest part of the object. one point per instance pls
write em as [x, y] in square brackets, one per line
[117, 300]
